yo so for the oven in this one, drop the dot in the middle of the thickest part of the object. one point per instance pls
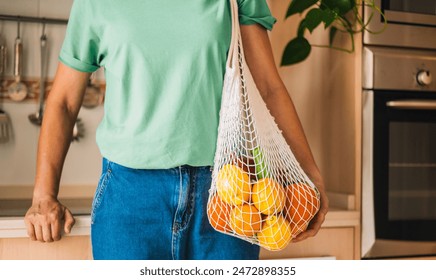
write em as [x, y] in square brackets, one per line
[399, 131]
[399, 153]
[411, 23]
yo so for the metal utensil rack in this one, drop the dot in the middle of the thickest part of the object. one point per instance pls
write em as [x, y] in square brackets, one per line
[43, 20]
[29, 19]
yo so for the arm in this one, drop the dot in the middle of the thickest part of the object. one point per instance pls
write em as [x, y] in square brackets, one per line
[46, 217]
[260, 60]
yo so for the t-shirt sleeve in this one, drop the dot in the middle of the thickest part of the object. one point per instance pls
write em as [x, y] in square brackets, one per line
[255, 11]
[80, 49]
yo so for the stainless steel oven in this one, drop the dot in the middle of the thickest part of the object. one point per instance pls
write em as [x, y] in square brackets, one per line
[399, 131]
[399, 152]
[411, 23]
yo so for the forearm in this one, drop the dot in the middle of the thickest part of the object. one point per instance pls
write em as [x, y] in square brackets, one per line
[62, 108]
[54, 141]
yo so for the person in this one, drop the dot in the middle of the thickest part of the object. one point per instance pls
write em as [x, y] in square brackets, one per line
[164, 63]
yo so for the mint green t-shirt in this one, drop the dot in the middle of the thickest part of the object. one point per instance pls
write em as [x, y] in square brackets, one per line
[164, 63]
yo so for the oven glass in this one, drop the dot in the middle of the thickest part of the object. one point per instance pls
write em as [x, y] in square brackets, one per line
[412, 171]
[404, 166]
[412, 6]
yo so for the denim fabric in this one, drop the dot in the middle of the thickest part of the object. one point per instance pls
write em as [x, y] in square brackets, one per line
[158, 214]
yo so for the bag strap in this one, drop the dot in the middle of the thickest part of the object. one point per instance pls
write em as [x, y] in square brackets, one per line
[232, 58]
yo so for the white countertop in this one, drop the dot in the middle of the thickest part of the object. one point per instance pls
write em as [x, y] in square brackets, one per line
[14, 227]
[14, 207]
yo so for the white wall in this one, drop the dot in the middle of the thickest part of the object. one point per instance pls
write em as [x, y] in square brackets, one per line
[18, 156]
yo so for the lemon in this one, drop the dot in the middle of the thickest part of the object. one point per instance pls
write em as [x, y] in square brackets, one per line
[233, 185]
[268, 196]
[275, 234]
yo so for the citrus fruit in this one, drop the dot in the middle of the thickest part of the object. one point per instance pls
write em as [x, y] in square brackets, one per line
[233, 185]
[245, 220]
[218, 213]
[302, 204]
[268, 196]
[276, 233]
[298, 228]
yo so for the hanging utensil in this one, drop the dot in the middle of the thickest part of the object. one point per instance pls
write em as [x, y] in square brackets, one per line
[4, 126]
[4, 118]
[93, 95]
[2, 58]
[18, 90]
[36, 118]
[78, 131]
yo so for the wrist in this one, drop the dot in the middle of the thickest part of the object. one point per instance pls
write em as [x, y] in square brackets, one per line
[41, 194]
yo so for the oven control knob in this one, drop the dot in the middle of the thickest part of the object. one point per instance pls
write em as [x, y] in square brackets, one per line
[424, 78]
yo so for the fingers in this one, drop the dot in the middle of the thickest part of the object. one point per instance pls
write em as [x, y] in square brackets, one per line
[30, 229]
[38, 234]
[45, 223]
[56, 230]
[46, 233]
[69, 221]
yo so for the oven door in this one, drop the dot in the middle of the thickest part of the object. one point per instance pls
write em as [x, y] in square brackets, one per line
[411, 23]
[404, 165]
[398, 174]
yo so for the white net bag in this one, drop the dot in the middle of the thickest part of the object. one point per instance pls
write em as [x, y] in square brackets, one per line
[259, 192]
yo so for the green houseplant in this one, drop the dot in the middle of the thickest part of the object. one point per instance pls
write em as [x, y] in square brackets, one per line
[336, 15]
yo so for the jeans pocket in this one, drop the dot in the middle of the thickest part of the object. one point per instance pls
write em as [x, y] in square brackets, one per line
[101, 189]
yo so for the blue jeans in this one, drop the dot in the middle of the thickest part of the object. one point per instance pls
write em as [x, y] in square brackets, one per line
[158, 214]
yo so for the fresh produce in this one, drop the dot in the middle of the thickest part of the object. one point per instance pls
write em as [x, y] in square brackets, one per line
[268, 196]
[276, 233]
[245, 220]
[233, 185]
[260, 165]
[302, 204]
[218, 213]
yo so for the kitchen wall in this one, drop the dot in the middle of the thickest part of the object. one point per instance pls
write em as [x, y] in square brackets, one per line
[324, 89]
[18, 156]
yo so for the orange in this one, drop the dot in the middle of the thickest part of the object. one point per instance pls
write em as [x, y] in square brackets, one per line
[233, 185]
[218, 213]
[245, 220]
[268, 196]
[276, 233]
[302, 204]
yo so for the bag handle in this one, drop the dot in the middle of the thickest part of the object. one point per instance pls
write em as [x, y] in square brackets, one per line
[232, 58]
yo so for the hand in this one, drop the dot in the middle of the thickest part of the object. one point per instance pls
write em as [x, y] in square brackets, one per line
[316, 222]
[45, 219]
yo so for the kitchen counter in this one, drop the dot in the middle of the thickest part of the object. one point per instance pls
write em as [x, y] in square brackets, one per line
[14, 227]
[13, 208]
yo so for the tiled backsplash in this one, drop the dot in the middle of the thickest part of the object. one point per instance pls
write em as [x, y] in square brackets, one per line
[18, 156]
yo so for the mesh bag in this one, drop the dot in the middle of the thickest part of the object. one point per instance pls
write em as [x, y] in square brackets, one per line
[259, 192]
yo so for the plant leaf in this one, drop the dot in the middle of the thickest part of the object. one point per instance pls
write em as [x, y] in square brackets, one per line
[333, 31]
[328, 17]
[299, 6]
[313, 18]
[296, 51]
